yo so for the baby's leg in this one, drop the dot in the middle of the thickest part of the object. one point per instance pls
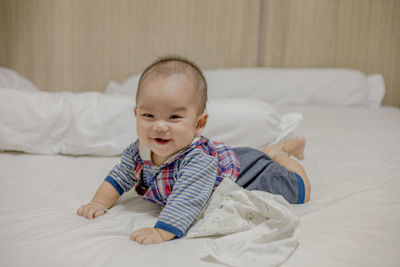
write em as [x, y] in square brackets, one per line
[293, 147]
[283, 159]
[281, 153]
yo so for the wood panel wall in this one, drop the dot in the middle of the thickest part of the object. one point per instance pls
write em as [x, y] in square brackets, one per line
[80, 45]
[360, 34]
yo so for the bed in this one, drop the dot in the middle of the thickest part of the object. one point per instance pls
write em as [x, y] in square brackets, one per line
[352, 160]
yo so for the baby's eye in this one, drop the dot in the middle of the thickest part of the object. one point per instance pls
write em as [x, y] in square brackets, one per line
[174, 117]
[147, 115]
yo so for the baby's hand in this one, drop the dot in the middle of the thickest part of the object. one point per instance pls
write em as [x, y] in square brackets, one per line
[91, 210]
[148, 236]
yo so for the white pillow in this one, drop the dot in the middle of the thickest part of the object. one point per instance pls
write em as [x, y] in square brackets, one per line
[67, 123]
[128, 87]
[377, 90]
[248, 122]
[11, 79]
[99, 124]
[319, 86]
[323, 87]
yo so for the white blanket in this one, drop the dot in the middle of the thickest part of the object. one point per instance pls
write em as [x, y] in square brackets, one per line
[258, 228]
[352, 219]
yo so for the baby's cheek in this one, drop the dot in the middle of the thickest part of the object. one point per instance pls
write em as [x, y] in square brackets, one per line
[142, 129]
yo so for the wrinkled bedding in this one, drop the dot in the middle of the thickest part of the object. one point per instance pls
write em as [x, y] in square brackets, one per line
[252, 227]
[352, 219]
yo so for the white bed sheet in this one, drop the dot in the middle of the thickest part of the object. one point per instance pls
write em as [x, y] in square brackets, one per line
[352, 219]
[352, 159]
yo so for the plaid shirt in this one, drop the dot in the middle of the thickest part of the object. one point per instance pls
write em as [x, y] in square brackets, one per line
[182, 185]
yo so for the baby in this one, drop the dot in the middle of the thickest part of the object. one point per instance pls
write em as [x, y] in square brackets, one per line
[173, 165]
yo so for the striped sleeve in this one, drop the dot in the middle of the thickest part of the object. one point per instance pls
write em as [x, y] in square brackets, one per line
[122, 175]
[195, 183]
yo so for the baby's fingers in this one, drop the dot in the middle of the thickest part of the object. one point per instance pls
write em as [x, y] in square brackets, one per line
[98, 213]
[89, 213]
[86, 212]
[138, 236]
[134, 235]
[82, 211]
[79, 211]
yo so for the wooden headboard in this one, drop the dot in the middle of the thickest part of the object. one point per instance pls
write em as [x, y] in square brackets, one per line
[77, 45]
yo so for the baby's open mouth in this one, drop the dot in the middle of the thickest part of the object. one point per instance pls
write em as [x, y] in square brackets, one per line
[161, 141]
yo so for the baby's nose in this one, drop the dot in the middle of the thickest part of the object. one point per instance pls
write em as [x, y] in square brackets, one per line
[160, 126]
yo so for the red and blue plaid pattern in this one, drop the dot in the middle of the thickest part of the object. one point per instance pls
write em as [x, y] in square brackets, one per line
[159, 181]
[181, 185]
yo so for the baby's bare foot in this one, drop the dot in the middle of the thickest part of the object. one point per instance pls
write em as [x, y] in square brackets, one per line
[295, 147]
[274, 154]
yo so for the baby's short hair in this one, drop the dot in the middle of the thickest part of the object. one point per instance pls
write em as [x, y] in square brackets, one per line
[171, 65]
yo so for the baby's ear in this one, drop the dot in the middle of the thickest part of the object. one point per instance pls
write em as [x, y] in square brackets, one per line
[135, 111]
[201, 123]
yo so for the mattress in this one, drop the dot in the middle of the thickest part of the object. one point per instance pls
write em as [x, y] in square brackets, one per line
[352, 160]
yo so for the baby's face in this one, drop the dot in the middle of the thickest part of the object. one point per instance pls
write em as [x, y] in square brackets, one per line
[167, 116]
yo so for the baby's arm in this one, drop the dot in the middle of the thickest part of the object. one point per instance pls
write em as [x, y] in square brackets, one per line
[106, 195]
[196, 180]
[119, 180]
